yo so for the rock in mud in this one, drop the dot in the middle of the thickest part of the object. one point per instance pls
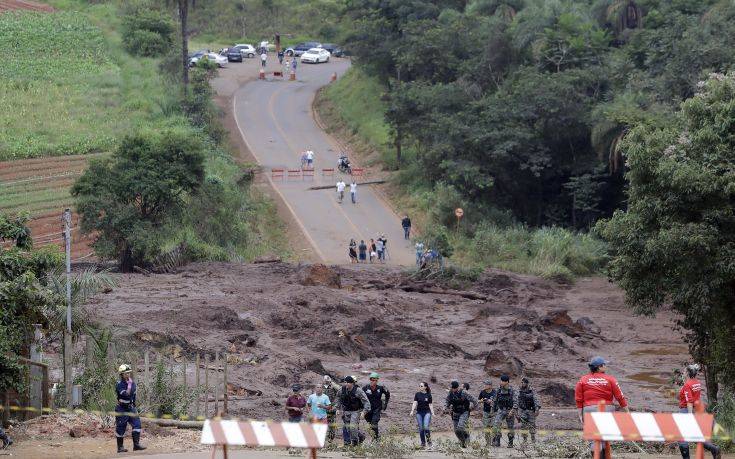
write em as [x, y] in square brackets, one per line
[319, 274]
[559, 320]
[588, 326]
[498, 363]
[558, 393]
[227, 319]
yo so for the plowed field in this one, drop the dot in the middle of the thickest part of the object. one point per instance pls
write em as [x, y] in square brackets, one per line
[41, 188]
[12, 5]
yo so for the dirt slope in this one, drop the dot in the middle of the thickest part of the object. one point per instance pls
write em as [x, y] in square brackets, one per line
[12, 5]
[381, 319]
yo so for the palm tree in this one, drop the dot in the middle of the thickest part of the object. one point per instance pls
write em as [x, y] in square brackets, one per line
[84, 285]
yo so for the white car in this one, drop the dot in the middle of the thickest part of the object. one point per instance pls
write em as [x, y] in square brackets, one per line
[246, 50]
[315, 56]
[220, 60]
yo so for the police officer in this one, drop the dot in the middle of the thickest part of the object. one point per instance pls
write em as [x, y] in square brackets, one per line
[6, 441]
[460, 403]
[331, 390]
[353, 401]
[379, 397]
[505, 407]
[487, 398]
[529, 406]
[126, 391]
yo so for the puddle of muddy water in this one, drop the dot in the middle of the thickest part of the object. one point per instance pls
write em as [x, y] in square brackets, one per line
[672, 350]
[655, 380]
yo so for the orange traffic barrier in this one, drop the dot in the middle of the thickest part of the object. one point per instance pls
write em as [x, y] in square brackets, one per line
[294, 173]
[334, 77]
[292, 76]
[278, 74]
[261, 74]
[358, 171]
[327, 172]
[308, 173]
[277, 174]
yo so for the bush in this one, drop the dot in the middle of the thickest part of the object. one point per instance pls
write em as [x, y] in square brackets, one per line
[554, 253]
[147, 32]
[168, 397]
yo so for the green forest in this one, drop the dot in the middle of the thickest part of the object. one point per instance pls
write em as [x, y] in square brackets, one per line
[520, 106]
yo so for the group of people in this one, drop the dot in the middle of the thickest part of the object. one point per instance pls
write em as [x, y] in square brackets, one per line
[374, 251]
[500, 407]
[341, 186]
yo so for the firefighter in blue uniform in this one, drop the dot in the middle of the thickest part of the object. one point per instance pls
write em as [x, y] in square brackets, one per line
[126, 390]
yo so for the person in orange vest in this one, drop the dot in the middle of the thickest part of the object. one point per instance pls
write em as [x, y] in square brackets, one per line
[690, 396]
[596, 387]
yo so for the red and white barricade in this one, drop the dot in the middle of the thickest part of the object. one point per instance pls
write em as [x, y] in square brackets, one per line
[256, 433]
[658, 427]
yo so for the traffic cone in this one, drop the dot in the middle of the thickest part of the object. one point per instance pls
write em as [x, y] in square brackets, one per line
[292, 76]
[334, 77]
[261, 75]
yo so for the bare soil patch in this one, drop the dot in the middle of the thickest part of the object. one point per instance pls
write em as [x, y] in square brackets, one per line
[13, 5]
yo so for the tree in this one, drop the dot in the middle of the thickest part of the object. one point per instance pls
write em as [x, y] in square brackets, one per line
[84, 285]
[675, 245]
[24, 295]
[126, 199]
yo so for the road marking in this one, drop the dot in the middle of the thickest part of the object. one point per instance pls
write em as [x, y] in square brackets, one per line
[273, 185]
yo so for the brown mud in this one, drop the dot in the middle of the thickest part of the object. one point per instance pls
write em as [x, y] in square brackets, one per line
[286, 323]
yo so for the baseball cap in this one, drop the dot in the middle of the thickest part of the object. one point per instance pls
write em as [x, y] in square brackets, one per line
[296, 387]
[455, 384]
[598, 361]
[349, 379]
[524, 380]
[504, 378]
[487, 382]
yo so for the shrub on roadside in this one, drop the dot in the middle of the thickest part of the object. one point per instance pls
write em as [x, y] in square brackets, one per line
[147, 32]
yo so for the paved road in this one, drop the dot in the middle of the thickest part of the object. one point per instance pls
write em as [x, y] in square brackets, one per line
[275, 119]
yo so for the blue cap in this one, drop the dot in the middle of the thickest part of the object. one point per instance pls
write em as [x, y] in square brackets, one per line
[598, 361]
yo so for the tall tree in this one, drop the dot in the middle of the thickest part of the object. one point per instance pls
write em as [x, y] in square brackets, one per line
[675, 245]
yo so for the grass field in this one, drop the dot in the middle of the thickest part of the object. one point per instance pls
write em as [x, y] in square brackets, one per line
[67, 89]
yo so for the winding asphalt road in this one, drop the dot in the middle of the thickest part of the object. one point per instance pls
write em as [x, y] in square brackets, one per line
[274, 117]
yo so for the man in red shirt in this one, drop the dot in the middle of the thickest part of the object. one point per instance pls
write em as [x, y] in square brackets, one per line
[295, 404]
[689, 396]
[596, 386]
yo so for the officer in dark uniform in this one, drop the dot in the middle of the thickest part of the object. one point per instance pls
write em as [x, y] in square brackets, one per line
[487, 397]
[505, 407]
[529, 406]
[379, 396]
[460, 403]
[6, 441]
[126, 391]
[331, 389]
[353, 402]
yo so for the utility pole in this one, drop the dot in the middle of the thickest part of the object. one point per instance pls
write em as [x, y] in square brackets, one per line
[68, 378]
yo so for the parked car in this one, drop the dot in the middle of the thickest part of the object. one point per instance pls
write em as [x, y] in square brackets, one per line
[301, 48]
[233, 55]
[221, 61]
[246, 50]
[315, 56]
[334, 50]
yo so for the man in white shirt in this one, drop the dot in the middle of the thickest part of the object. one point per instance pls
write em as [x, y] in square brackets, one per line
[310, 159]
[341, 190]
[353, 192]
[263, 58]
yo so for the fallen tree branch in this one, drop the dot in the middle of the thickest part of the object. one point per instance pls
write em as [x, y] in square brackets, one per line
[176, 423]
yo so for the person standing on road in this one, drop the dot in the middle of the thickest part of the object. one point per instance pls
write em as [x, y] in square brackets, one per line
[406, 224]
[690, 396]
[280, 57]
[362, 251]
[310, 159]
[487, 398]
[373, 250]
[331, 390]
[126, 391]
[460, 405]
[596, 387]
[379, 396]
[353, 251]
[419, 252]
[385, 246]
[353, 191]
[318, 404]
[423, 407]
[380, 248]
[505, 407]
[529, 407]
[353, 402]
[340, 190]
[294, 64]
[263, 58]
[295, 404]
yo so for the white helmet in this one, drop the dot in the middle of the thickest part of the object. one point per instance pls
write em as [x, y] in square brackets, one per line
[124, 368]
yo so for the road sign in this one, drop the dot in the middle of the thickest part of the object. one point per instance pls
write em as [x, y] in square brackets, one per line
[458, 212]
